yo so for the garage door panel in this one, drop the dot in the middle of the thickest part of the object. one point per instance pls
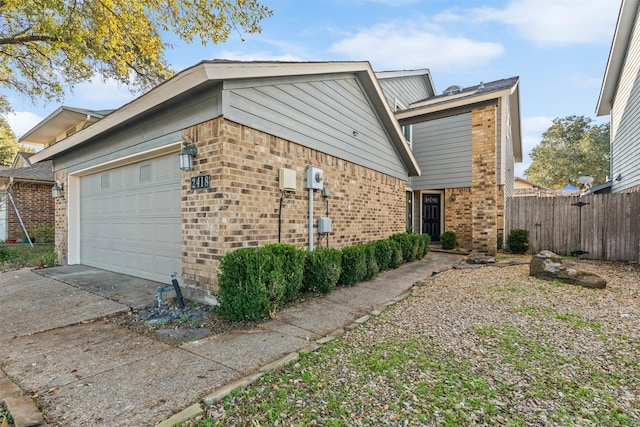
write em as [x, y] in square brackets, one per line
[131, 219]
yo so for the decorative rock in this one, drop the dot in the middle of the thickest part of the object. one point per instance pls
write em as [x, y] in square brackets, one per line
[547, 265]
[481, 259]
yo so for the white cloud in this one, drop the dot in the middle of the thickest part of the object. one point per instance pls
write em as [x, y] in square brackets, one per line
[532, 130]
[405, 45]
[22, 121]
[557, 22]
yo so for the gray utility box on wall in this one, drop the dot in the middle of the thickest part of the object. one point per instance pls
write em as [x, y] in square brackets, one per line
[324, 225]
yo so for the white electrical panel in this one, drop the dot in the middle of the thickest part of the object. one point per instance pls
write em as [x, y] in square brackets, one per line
[324, 225]
[287, 179]
[315, 178]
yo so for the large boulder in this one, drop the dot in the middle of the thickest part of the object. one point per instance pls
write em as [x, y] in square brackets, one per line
[547, 265]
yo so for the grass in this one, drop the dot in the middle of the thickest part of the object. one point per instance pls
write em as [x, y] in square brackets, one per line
[21, 255]
[531, 372]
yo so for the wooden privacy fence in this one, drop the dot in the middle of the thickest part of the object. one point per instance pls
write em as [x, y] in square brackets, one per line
[601, 226]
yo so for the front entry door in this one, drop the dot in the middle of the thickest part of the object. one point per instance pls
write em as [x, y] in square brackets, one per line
[431, 216]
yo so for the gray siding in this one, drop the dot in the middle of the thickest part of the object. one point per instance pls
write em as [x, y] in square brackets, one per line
[442, 148]
[625, 120]
[155, 130]
[407, 90]
[331, 114]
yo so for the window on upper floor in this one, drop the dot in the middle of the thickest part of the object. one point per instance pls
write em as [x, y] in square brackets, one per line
[407, 130]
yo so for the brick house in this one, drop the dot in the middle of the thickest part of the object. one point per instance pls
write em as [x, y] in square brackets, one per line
[259, 129]
[465, 141]
[26, 188]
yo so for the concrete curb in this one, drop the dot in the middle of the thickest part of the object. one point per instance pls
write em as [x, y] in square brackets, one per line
[22, 408]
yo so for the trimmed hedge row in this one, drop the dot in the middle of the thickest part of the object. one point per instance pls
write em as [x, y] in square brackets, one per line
[257, 282]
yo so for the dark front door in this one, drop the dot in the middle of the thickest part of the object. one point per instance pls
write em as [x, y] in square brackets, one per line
[431, 216]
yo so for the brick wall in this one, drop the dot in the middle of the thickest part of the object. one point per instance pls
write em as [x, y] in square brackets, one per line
[241, 207]
[484, 193]
[61, 219]
[458, 215]
[35, 205]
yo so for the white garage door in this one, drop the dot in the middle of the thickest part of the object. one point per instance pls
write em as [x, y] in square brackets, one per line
[130, 219]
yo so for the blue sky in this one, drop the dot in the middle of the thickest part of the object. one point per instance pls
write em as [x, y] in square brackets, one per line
[559, 48]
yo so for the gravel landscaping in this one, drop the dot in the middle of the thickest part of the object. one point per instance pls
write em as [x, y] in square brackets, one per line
[487, 346]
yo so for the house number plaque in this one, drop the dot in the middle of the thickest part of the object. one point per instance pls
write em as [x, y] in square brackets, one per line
[200, 181]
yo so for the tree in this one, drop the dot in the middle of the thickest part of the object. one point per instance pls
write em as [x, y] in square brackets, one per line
[46, 45]
[9, 145]
[570, 148]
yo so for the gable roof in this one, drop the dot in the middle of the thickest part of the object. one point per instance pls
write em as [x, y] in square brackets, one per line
[217, 71]
[617, 55]
[58, 122]
[21, 159]
[455, 99]
[423, 73]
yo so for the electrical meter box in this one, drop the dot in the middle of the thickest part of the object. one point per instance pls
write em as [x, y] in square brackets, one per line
[315, 178]
[287, 180]
[324, 225]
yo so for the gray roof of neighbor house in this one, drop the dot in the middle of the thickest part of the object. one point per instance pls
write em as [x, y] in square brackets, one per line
[208, 73]
[58, 122]
[617, 55]
[39, 172]
[456, 98]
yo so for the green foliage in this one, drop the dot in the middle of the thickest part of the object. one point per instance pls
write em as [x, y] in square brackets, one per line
[47, 44]
[500, 241]
[354, 265]
[372, 263]
[518, 240]
[50, 259]
[384, 253]
[9, 145]
[43, 232]
[18, 255]
[292, 259]
[448, 239]
[322, 270]
[413, 246]
[424, 240]
[251, 283]
[396, 254]
[570, 148]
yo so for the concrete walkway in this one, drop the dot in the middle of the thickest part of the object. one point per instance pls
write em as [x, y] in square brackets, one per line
[88, 372]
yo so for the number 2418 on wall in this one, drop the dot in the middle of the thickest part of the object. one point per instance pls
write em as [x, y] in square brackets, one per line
[200, 181]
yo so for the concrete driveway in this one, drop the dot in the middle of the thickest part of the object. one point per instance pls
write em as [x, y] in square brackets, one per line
[86, 371]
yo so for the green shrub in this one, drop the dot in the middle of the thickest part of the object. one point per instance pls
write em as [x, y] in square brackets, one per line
[425, 241]
[372, 263]
[500, 241]
[384, 252]
[396, 254]
[518, 240]
[448, 239]
[354, 265]
[251, 284]
[48, 260]
[322, 270]
[407, 244]
[292, 259]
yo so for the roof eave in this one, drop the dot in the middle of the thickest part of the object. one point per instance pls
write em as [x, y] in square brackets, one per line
[617, 55]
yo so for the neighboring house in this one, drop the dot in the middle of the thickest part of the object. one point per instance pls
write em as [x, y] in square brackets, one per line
[466, 141]
[620, 98]
[258, 126]
[25, 195]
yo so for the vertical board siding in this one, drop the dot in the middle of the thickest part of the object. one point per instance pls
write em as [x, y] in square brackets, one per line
[333, 116]
[607, 227]
[407, 90]
[442, 148]
[625, 119]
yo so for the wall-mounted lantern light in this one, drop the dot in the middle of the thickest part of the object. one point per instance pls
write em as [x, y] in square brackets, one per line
[188, 152]
[56, 190]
